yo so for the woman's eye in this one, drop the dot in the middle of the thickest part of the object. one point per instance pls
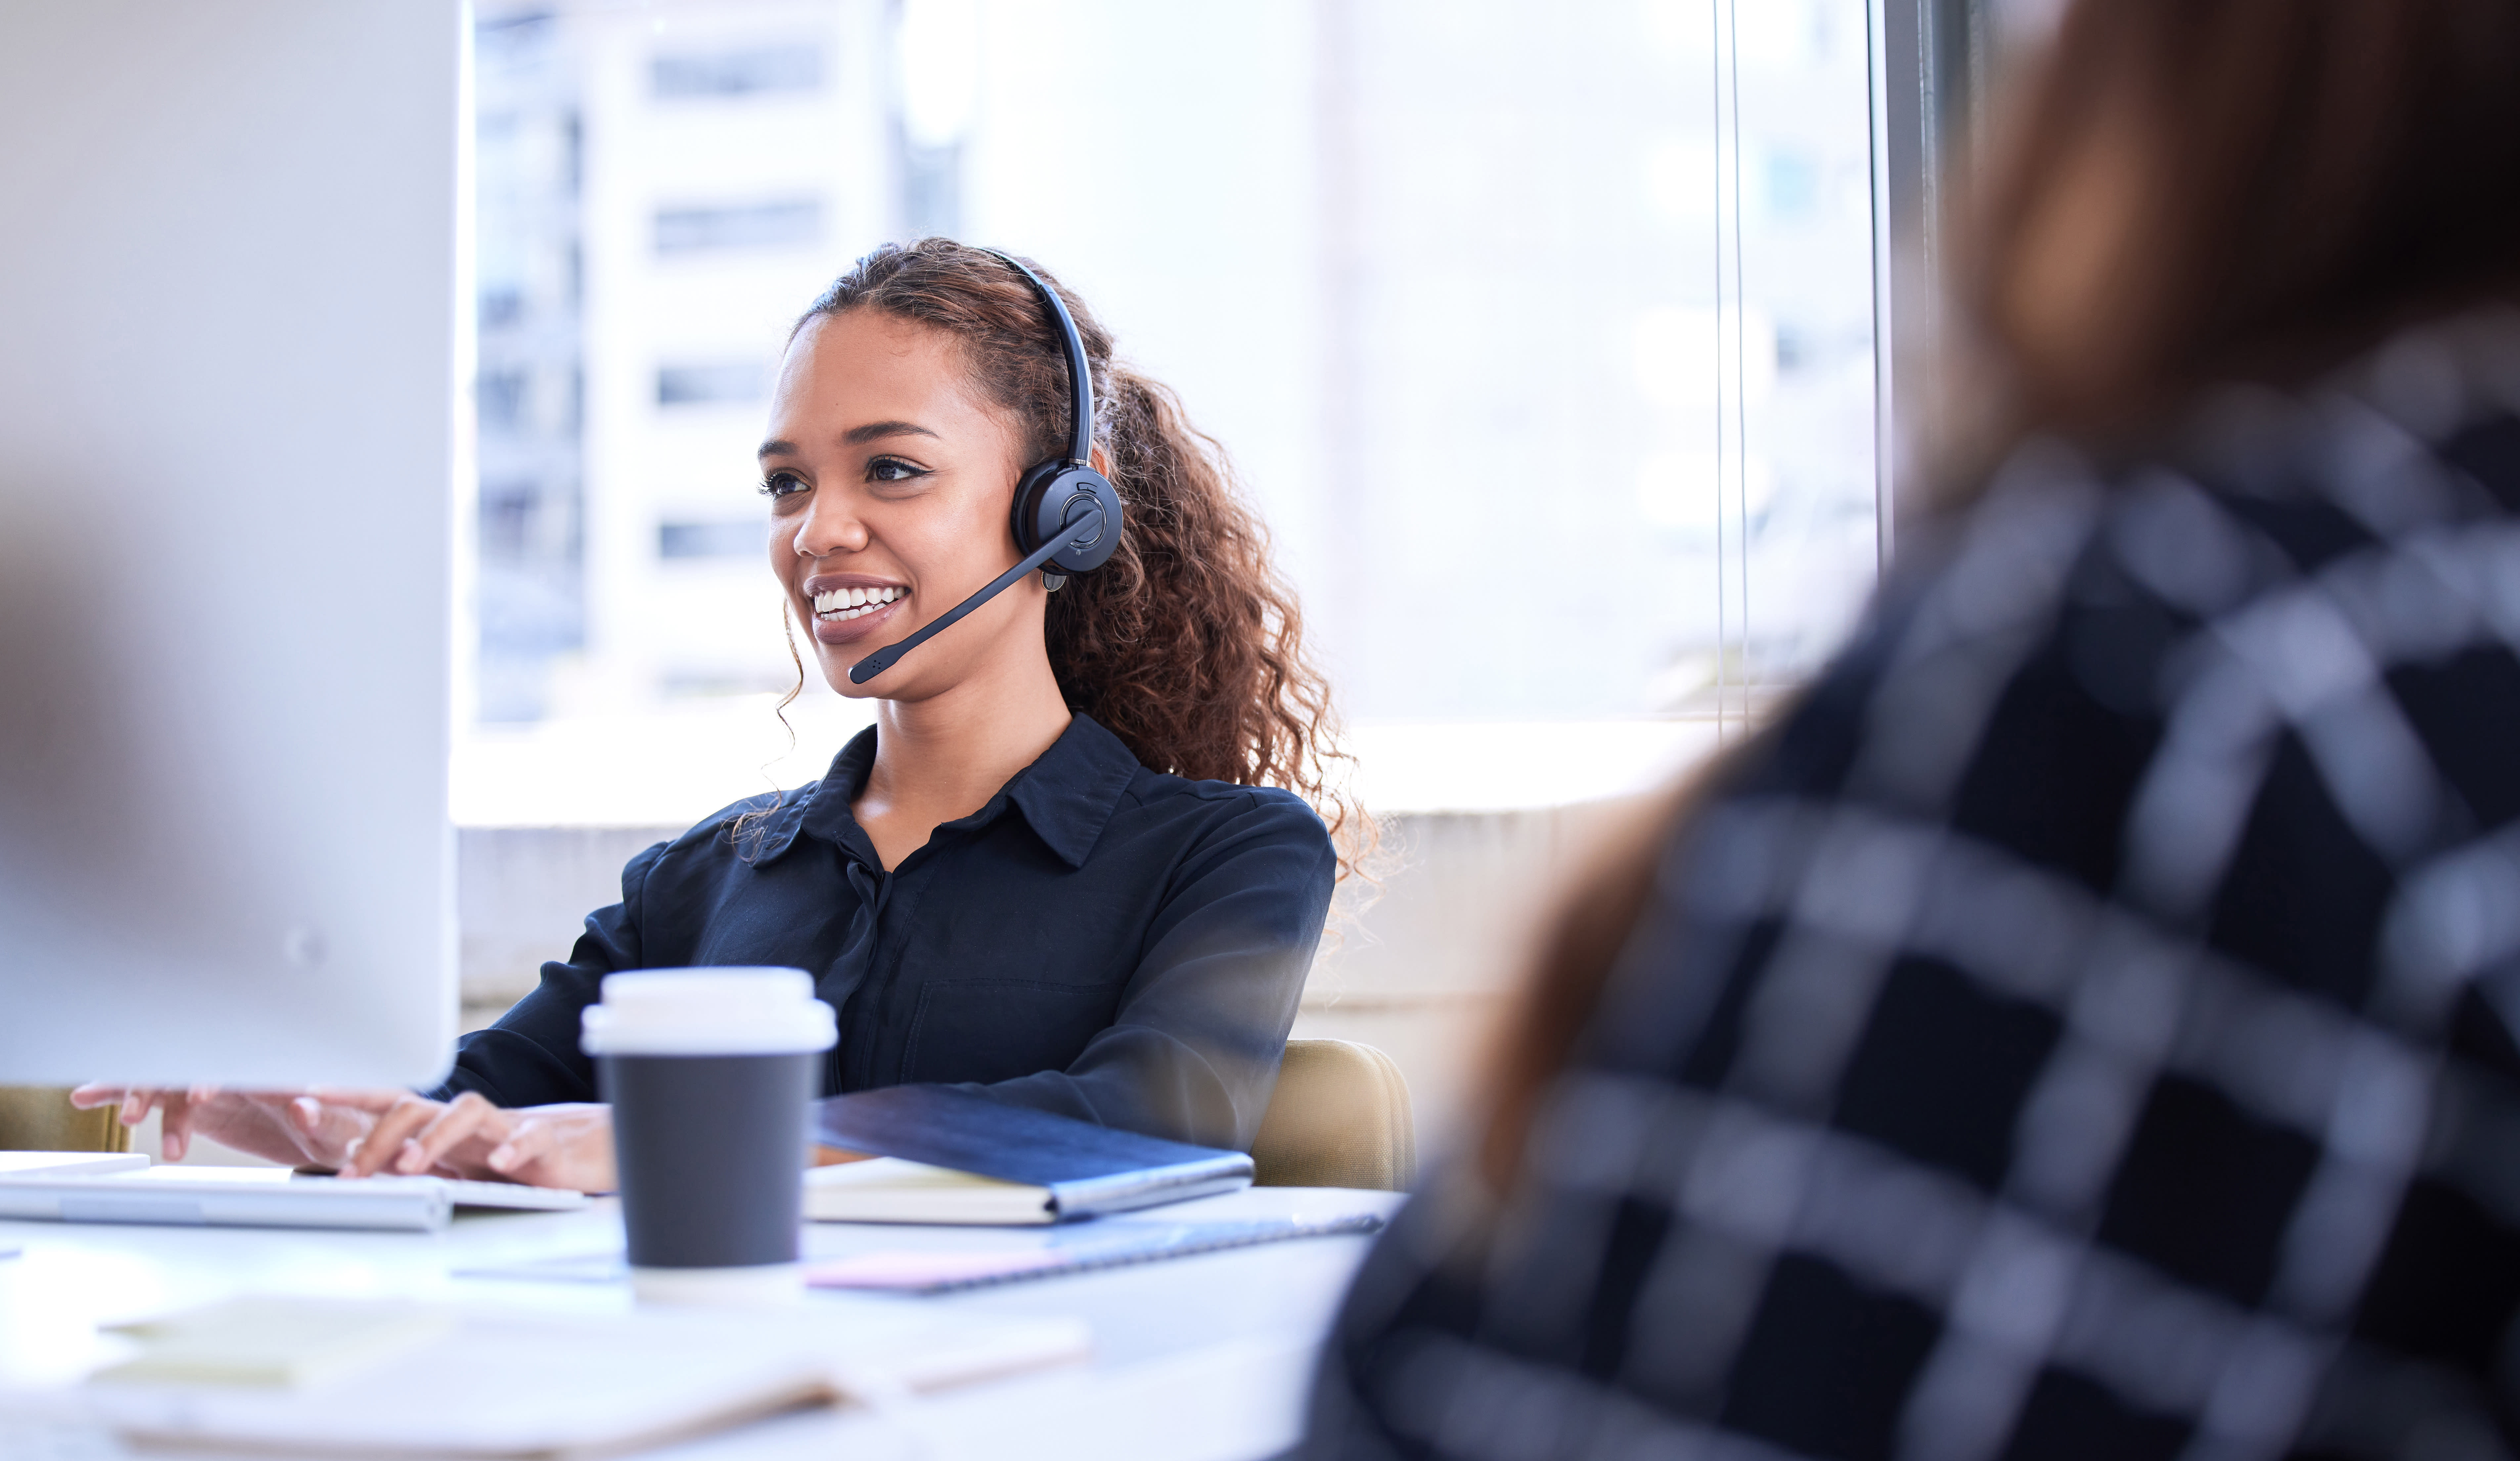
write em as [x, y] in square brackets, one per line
[779, 485]
[894, 468]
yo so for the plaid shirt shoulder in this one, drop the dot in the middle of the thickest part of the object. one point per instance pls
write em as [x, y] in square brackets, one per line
[2085, 1029]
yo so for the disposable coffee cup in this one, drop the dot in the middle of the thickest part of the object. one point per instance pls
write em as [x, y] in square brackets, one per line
[710, 1072]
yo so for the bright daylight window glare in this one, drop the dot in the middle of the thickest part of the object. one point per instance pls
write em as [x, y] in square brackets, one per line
[1543, 341]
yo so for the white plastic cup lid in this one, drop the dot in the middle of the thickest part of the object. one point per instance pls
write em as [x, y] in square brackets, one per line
[709, 1011]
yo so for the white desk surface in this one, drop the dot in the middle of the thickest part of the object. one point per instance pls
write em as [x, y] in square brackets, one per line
[1200, 1358]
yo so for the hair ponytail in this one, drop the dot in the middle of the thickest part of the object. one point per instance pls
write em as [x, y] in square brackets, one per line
[1188, 644]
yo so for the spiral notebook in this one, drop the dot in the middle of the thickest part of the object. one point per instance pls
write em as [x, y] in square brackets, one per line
[1113, 1244]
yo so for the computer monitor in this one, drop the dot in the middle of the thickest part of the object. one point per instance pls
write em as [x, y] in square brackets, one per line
[229, 275]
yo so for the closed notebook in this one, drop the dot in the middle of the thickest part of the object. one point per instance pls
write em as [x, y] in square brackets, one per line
[955, 1156]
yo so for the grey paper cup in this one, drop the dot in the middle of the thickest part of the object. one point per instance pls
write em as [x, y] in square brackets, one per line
[710, 1074]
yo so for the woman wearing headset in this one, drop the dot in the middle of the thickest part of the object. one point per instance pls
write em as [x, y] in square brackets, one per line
[1072, 865]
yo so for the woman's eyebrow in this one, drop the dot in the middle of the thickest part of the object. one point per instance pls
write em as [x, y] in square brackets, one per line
[875, 431]
[856, 435]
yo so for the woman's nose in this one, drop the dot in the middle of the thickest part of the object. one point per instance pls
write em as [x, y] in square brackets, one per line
[829, 527]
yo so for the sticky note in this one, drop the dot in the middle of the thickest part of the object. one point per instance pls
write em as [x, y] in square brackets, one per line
[274, 1341]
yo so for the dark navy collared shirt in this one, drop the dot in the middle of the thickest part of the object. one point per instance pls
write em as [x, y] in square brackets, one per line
[1100, 940]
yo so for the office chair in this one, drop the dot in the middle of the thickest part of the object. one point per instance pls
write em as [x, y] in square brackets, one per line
[41, 1119]
[1340, 1118]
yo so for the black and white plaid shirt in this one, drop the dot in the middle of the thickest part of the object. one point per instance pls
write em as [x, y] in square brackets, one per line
[2087, 1029]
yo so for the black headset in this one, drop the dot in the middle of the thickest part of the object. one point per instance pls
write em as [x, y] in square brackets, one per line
[1066, 514]
[1055, 494]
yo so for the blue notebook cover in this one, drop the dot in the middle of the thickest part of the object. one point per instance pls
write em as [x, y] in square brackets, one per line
[1087, 1169]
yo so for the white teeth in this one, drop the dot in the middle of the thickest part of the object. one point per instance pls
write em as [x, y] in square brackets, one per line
[852, 603]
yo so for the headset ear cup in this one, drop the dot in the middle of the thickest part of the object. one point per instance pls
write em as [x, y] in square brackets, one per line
[1047, 500]
[1031, 490]
[1086, 483]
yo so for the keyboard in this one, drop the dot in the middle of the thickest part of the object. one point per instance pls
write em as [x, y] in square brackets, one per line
[266, 1197]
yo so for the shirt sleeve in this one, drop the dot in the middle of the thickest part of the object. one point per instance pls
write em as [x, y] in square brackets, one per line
[530, 1056]
[1193, 1050]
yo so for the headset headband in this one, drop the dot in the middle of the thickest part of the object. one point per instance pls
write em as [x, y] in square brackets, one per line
[1080, 379]
[1065, 515]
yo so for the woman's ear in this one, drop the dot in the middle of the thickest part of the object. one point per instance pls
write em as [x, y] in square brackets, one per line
[1100, 461]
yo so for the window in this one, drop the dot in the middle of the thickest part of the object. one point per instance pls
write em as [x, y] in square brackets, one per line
[499, 399]
[739, 382]
[501, 307]
[752, 72]
[507, 521]
[529, 586]
[787, 225]
[741, 539]
[1541, 335]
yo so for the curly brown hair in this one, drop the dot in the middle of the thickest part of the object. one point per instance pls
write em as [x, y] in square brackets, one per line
[1188, 644]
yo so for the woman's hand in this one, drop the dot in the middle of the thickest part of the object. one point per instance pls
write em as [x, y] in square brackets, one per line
[299, 1128]
[359, 1133]
[540, 1145]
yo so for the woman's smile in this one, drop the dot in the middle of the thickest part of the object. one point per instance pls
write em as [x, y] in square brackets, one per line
[845, 613]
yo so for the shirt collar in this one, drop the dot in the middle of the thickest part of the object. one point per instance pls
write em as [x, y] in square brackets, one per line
[1066, 796]
[1072, 790]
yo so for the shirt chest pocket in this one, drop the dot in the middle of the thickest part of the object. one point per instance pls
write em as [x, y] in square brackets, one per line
[999, 1029]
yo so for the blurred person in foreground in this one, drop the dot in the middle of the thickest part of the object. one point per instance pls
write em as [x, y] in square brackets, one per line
[2084, 1025]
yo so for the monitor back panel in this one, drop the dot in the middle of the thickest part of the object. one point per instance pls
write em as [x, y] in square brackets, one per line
[229, 283]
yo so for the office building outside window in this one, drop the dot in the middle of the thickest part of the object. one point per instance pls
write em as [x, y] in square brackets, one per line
[1542, 335]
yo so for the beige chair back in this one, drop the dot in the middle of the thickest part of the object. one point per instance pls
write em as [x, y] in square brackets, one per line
[1340, 1118]
[41, 1119]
